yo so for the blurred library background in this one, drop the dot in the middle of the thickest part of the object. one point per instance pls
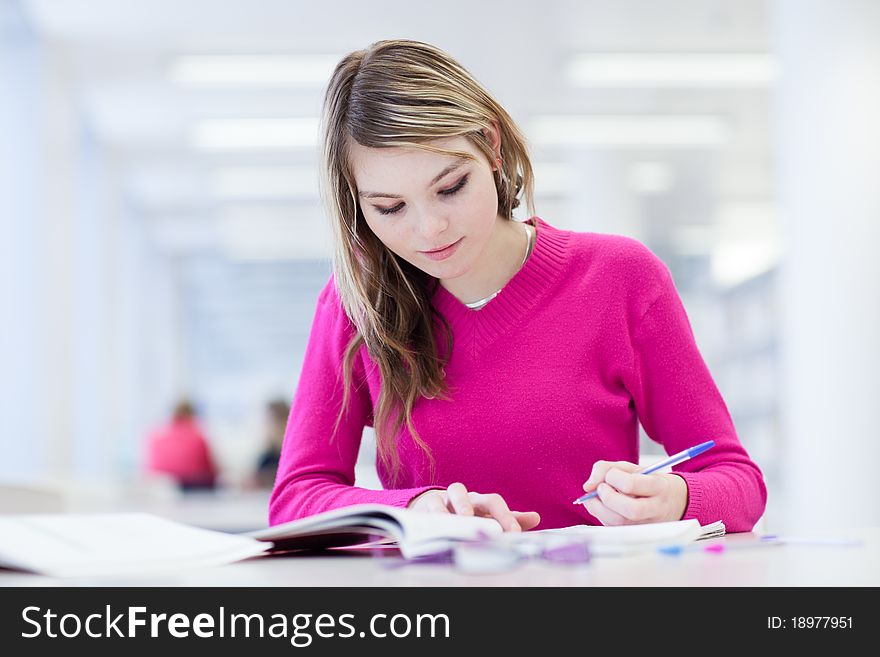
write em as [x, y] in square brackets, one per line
[162, 236]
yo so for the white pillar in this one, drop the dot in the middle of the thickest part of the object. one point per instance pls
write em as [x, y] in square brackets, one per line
[145, 345]
[90, 339]
[829, 182]
[20, 199]
[54, 290]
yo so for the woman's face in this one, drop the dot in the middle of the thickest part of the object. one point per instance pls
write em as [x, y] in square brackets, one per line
[417, 202]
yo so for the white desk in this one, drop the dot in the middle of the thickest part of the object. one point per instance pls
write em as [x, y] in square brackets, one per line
[789, 565]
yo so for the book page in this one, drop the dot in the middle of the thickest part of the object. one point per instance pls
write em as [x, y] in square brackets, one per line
[65, 545]
[417, 533]
[430, 533]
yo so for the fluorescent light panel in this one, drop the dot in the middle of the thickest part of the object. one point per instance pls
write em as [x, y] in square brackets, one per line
[267, 182]
[632, 131]
[673, 70]
[255, 134]
[737, 262]
[305, 71]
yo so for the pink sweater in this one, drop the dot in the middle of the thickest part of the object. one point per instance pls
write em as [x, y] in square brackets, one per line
[586, 340]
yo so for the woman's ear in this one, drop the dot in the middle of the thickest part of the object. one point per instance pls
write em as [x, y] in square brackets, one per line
[493, 136]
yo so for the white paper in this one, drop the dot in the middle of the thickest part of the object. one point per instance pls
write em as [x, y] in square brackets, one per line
[71, 545]
[626, 539]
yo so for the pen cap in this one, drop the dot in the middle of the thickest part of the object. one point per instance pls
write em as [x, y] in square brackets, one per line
[699, 449]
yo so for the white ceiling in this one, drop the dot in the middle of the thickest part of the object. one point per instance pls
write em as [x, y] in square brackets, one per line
[119, 55]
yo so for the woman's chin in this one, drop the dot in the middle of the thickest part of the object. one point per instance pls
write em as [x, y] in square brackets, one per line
[447, 271]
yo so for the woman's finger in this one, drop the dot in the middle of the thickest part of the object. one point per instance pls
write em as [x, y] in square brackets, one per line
[527, 519]
[633, 483]
[459, 500]
[435, 503]
[603, 514]
[494, 506]
[633, 509]
[600, 468]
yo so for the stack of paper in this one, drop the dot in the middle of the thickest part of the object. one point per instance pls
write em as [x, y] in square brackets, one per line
[628, 539]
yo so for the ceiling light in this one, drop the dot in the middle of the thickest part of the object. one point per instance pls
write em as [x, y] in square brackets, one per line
[247, 134]
[630, 131]
[311, 71]
[747, 242]
[267, 182]
[673, 69]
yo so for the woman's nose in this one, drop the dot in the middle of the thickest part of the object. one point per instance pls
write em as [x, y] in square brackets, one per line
[431, 225]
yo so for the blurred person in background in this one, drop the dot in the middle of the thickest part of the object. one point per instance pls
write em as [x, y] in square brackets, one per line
[277, 411]
[180, 451]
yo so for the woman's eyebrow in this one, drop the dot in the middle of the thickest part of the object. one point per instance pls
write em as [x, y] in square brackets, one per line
[452, 167]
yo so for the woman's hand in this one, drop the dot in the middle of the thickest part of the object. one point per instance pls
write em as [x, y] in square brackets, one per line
[457, 499]
[629, 498]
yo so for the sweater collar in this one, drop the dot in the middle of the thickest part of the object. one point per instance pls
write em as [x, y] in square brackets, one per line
[522, 292]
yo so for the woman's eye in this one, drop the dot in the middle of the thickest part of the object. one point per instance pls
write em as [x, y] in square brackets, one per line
[446, 192]
[457, 188]
[390, 210]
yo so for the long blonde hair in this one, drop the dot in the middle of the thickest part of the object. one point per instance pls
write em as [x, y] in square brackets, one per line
[401, 93]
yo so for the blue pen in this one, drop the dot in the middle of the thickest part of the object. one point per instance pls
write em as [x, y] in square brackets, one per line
[672, 460]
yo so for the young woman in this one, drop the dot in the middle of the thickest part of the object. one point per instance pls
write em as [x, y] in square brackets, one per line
[504, 365]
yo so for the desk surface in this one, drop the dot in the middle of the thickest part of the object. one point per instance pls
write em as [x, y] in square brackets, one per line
[787, 565]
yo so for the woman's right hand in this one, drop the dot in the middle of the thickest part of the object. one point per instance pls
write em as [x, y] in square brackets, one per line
[457, 499]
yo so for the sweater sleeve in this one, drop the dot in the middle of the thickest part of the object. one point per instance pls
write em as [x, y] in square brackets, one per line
[680, 406]
[316, 472]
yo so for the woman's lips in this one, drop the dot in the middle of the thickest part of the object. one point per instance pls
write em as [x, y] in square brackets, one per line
[443, 253]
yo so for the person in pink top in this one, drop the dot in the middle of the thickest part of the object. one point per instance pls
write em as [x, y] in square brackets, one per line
[504, 364]
[179, 450]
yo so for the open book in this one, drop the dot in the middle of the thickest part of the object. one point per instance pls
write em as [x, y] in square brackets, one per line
[415, 533]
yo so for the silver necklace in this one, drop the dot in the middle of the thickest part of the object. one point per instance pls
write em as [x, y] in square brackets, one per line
[476, 305]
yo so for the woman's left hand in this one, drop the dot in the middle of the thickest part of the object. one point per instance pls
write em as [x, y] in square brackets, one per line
[627, 497]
